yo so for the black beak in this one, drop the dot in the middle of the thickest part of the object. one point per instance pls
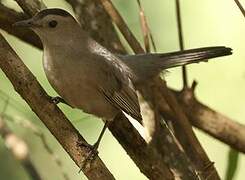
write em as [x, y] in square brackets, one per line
[25, 23]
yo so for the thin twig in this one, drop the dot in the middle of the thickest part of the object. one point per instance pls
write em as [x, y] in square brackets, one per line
[14, 104]
[118, 20]
[146, 30]
[181, 41]
[144, 27]
[30, 7]
[153, 41]
[240, 7]
[93, 19]
[152, 121]
[183, 128]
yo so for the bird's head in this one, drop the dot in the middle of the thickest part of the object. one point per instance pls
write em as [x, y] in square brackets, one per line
[51, 24]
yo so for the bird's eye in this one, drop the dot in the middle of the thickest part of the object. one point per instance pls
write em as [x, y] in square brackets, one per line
[53, 24]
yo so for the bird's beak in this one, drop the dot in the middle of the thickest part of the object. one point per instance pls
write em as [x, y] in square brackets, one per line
[25, 23]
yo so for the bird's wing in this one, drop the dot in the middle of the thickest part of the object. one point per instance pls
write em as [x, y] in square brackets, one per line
[116, 86]
[119, 90]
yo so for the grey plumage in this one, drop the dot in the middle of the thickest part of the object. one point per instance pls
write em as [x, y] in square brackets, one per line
[149, 65]
[91, 78]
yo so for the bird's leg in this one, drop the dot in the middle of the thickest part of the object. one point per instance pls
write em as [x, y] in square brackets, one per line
[93, 152]
[56, 100]
[96, 144]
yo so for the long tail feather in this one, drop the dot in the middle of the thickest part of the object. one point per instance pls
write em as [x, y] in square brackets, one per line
[185, 57]
[148, 65]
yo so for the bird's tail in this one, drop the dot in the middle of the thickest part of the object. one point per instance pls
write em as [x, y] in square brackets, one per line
[185, 57]
[148, 65]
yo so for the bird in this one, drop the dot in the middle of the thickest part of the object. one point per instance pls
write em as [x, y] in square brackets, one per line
[89, 77]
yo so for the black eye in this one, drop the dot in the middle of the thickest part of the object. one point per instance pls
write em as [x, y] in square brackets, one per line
[53, 24]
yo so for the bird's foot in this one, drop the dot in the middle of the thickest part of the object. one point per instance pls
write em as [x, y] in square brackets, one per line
[91, 155]
[56, 100]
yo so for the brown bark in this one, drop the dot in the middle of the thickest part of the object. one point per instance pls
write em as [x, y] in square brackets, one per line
[184, 173]
[208, 120]
[30, 7]
[189, 141]
[93, 19]
[31, 91]
[8, 17]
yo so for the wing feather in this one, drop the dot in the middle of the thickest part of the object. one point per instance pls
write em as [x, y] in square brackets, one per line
[123, 96]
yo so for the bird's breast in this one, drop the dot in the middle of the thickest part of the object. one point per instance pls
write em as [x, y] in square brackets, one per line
[75, 81]
[66, 77]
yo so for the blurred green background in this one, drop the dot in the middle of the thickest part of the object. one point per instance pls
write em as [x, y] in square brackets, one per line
[221, 85]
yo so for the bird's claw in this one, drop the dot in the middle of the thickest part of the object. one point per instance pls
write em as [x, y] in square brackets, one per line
[91, 155]
[56, 100]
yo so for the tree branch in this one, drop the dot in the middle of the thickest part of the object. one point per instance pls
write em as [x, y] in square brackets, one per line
[239, 5]
[8, 17]
[181, 41]
[121, 24]
[150, 162]
[163, 140]
[143, 163]
[93, 19]
[31, 91]
[30, 7]
[187, 137]
[189, 141]
[212, 122]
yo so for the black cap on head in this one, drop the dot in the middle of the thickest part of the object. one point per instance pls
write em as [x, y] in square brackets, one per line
[53, 11]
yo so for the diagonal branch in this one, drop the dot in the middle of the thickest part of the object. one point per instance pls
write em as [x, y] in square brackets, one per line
[188, 139]
[31, 91]
[132, 150]
[121, 24]
[30, 7]
[191, 145]
[8, 17]
[239, 5]
[93, 19]
[149, 161]
[208, 120]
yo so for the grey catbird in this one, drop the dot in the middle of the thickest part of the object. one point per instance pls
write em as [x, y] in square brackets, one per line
[89, 77]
